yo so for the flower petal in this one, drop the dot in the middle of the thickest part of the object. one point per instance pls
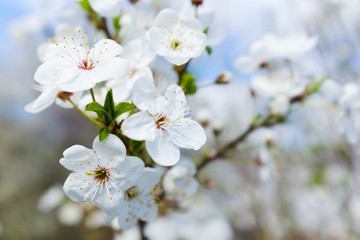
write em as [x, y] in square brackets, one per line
[83, 81]
[45, 99]
[128, 172]
[189, 134]
[55, 71]
[108, 198]
[111, 150]
[76, 186]
[162, 150]
[76, 158]
[139, 126]
[111, 68]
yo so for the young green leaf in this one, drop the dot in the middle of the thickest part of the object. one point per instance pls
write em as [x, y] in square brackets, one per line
[188, 83]
[95, 107]
[208, 50]
[122, 108]
[103, 133]
[109, 107]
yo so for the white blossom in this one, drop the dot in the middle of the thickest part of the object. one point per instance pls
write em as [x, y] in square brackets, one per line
[165, 123]
[179, 181]
[177, 38]
[140, 201]
[101, 174]
[349, 121]
[49, 95]
[72, 66]
[106, 8]
[272, 46]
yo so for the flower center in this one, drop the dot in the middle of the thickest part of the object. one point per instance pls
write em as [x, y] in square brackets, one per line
[100, 174]
[86, 65]
[175, 44]
[160, 121]
[131, 193]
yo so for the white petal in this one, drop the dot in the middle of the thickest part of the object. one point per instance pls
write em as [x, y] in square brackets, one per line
[149, 179]
[162, 150]
[55, 71]
[76, 158]
[83, 81]
[165, 17]
[75, 188]
[109, 203]
[111, 150]
[177, 60]
[126, 221]
[111, 69]
[128, 172]
[99, 50]
[139, 126]
[45, 99]
[106, 8]
[176, 96]
[144, 94]
[189, 134]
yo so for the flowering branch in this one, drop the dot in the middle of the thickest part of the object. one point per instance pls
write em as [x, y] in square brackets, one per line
[271, 120]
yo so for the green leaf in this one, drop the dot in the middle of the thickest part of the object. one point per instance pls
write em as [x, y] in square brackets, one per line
[136, 146]
[116, 23]
[109, 107]
[188, 83]
[95, 107]
[85, 5]
[103, 133]
[122, 108]
[206, 30]
[316, 86]
[208, 49]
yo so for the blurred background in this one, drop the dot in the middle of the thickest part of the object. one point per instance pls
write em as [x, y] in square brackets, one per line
[315, 192]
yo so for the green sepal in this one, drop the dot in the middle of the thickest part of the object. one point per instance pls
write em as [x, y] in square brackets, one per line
[188, 83]
[103, 133]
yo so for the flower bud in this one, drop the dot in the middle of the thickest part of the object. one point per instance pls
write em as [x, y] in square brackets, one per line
[196, 3]
[217, 127]
[64, 95]
[224, 78]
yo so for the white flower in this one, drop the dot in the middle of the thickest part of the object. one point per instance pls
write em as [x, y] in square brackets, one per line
[72, 66]
[106, 8]
[179, 181]
[273, 86]
[272, 46]
[100, 174]
[139, 202]
[349, 121]
[280, 105]
[165, 124]
[70, 214]
[175, 38]
[49, 95]
[140, 55]
[51, 199]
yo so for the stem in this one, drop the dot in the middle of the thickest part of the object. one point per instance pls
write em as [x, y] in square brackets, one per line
[268, 122]
[92, 94]
[84, 114]
[142, 227]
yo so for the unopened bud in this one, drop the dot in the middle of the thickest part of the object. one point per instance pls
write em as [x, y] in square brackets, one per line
[224, 78]
[203, 116]
[64, 95]
[209, 183]
[217, 127]
[196, 2]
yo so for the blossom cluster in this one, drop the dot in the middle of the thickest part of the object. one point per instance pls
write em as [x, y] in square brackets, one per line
[132, 80]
